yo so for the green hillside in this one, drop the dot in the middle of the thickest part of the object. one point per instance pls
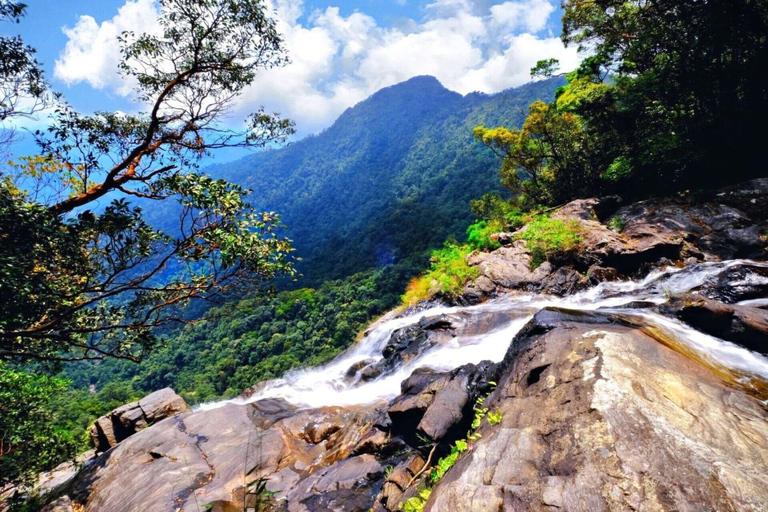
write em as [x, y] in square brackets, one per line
[391, 178]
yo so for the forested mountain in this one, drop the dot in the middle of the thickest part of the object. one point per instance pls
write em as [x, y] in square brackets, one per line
[391, 178]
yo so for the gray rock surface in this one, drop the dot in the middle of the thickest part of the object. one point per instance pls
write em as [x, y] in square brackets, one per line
[126, 420]
[600, 416]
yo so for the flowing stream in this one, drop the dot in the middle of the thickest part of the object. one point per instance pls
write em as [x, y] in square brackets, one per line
[504, 317]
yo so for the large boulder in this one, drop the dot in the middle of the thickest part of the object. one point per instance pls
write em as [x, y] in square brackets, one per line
[437, 406]
[126, 420]
[509, 267]
[598, 415]
[330, 458]
[739, 282]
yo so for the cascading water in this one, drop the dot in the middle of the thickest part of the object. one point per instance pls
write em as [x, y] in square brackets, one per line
[331, 385]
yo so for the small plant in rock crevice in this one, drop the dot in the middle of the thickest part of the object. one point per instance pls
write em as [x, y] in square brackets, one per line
[616, 224]
[438, 471]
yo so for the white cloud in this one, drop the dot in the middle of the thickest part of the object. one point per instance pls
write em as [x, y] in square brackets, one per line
[339, 60]
[530, 15]
[92, 54]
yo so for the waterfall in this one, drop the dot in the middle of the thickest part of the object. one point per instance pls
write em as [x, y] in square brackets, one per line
[330, 384]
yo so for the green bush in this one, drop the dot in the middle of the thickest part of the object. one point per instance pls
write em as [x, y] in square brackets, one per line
[480, 235]
[448, 273]
[547, 238]
[29, 442]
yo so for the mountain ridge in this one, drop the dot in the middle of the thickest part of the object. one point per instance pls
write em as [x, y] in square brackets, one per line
[390, 179]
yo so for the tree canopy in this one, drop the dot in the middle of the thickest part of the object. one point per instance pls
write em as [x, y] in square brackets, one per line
[83, 281]
[670, 95]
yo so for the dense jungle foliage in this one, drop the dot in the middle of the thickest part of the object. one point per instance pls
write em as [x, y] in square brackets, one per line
[670, 96]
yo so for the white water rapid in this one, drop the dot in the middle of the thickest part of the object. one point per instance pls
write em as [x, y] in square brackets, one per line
[328, 385]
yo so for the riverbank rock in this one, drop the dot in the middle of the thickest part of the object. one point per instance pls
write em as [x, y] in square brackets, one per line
[641, 236]
[438, 406]
[123, 422]
[749, 197]
[739, 282]
[598, 415]
[330, 458]
[745, 325]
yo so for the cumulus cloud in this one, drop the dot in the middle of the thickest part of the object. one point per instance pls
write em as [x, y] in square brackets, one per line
[529, 15]
[92, 53]
[339, 60]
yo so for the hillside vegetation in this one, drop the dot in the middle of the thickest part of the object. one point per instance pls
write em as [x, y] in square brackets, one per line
[391, 178]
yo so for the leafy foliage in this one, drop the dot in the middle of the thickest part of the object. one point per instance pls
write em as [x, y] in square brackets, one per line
[29, 443]
[85, 285]
[416, 503]
[670, 94]
[480, 235]
[448, 273]
[22, 83]
[548, 238]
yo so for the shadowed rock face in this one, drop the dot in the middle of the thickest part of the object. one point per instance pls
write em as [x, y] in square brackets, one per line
[745, 325]
[600, 416]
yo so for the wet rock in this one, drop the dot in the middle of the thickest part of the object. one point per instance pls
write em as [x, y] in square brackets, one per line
[564, 281]
[740, 282]
[256, 388]
[410, 341]
[349, 473]
[597, 274]
[672, 229]
[598, 415]
[376, 441]
[749, 197]
[745, 325]
[748, 242]
[437, 405]
[354, 370]
[126, 420]
[478, 290]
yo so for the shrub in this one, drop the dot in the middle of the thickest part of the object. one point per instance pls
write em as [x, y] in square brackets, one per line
[447, 275]
[616, 223]
[547, 238]
[480, 235]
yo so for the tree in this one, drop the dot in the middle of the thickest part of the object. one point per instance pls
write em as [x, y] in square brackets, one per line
[542, 161]
[22, 84]
[689, 98]
[83, 282]
[28, 441]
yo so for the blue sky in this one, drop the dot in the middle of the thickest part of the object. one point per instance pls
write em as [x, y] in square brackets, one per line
[342, 51]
